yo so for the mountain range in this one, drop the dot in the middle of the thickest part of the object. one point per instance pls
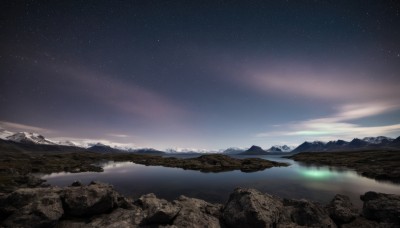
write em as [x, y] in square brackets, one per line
[367, 143]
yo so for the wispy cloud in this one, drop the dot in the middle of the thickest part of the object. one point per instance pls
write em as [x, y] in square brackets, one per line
[317, 82]
[126, 97]
[339, 125]
[22, 127]
[119, 135]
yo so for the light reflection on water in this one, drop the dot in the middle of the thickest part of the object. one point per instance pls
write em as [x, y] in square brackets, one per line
[296, 181]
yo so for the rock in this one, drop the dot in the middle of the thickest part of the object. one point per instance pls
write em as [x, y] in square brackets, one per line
[251, 208]
[76, 184]
[94, 199]
[361, 222]
[31, 207]
[119, 218]
[341, 210]
[156, 211]
[304, 213]
[380, 207]
[197, 213]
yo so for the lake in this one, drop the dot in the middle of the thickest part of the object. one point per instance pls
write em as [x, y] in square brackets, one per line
[296, 181]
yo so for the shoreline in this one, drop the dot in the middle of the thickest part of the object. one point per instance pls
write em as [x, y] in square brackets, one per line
[378, 165]
[99, 205]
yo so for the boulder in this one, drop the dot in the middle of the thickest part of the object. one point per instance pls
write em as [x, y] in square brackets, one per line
[380, 207]
[361, 222]
[304, 213]
[156, 211]
[94, 199]
[31, 207]
[197, 213]
[341, 210]
[251, 208]
[119, 218]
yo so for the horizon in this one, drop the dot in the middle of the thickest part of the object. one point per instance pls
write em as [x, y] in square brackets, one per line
[209, 75]
[87, 143]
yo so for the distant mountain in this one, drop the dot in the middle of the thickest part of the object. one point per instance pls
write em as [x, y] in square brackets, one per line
[377, 140]
[254, 150]
[149, 151]
[283, 148]
[310, 147]
[28, 137]
[101, 148]
[233, 150]
[367, 143]
[8, 145]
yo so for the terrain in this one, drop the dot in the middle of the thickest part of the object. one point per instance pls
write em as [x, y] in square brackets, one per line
[99, 205]
[376, 164]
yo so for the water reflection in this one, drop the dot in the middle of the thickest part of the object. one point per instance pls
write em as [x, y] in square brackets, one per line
[296, 181]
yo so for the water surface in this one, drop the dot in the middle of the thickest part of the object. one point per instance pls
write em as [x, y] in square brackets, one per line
[296, 181]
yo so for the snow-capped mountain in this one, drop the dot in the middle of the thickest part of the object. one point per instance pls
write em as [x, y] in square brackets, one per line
[4, 134]
[355, 144]
[29, 137]
[278, 148]
[377, 140]
[233, 150]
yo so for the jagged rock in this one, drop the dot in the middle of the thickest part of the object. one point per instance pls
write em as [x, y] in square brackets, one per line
[341, 210]
[361, 222]
[251, 208]
[99, 205]
[157, 211]
[119, 218]
[304, 213]
[197, 213]
[380, 207]
[96, 198]
[31, 207]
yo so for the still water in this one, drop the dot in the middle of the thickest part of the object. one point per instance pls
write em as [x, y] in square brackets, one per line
[296, 181]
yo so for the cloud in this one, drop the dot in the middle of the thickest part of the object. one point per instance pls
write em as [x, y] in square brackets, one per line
[338, 125]
[123, 96]
[118, 135]
[22, 127]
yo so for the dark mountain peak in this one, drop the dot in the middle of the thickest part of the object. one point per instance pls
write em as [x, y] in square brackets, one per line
[101, 148]
[255, 150]
[275, 149]
[310, 147]
[356, 142]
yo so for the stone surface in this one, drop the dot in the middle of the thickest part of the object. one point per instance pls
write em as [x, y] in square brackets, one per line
[99, 205]
[304, 213]
[157, 211]
[383, 208]
[197, 213]
[251, 208]
[31, 207]
[89, 200]
[341, 210]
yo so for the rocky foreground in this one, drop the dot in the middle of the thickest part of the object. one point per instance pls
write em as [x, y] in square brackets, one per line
[98, 205]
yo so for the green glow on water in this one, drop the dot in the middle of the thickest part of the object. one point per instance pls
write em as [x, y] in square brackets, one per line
[317, 174]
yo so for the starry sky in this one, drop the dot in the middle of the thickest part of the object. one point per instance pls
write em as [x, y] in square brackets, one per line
[200, 74]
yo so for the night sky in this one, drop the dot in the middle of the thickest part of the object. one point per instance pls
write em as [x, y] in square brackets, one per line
[200, 74]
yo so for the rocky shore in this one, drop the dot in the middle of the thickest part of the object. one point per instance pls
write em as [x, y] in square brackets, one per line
[99, 205]
[379, 165]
